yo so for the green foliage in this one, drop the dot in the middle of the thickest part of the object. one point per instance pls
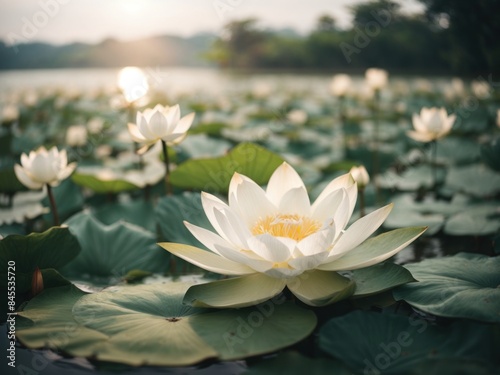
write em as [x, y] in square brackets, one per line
[148, 325]
[215, 174]
[460, 286]
[373, 343]
[53, 248]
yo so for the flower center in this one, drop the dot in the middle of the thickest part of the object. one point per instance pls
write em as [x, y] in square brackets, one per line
[295, 226]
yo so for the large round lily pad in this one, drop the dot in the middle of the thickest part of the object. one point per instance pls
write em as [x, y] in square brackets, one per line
[461, 286]
[375, 343]
[110, 251]
[148, 324]
[53, 248]
[214, 174]
[475, 179]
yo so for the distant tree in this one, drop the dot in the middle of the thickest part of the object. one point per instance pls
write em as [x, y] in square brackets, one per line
[473, 32]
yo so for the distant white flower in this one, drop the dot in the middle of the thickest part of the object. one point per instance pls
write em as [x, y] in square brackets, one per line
[261, 90]
[297, 116]
[76, 136]
[481, 89]
[160, 123]
[95, 125]
[432, 124]
[10, 113]
[376, 78]
[42, 167]
[360, 175]
[275, 238]
[340, 84]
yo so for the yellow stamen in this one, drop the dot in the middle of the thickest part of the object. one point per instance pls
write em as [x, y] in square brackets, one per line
[294, 226]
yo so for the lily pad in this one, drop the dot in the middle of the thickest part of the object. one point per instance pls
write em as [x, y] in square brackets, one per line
[102, 186]
[410, 180]
[170, 213]
[111, 251]
[476, 180]
[214, 174]
[53, 248]
[374, 343]
[461, 286]
[134, 212]
[379, 278]
[400, 219]
[479, 221]
[148, 325]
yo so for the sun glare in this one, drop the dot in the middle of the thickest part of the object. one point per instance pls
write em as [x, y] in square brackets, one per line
[132, 6]
[133, 83]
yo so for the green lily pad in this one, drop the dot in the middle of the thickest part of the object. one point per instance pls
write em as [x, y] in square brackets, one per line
[475, 179]
[374, 343]
[400, 219]
[214, 174]
[200, 145]
[148, 325]
[111, 251]
[170, 213]
[480, 221]
[102, 186]
[53, 248]
[461, 286]
[379, 278]
[47, 322]
[294, 363]
[410, 180]
[134, 212]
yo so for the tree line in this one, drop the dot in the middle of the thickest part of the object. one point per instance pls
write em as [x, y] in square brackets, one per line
[454, 37]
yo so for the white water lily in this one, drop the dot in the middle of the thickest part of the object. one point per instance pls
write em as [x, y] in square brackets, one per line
[360, 175]
[160, 123]
[340, 84]
[76, 136]
[42, 167]
[376, 78]
[275, 238]
[432, 124]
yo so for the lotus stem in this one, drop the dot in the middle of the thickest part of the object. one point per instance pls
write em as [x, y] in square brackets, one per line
[433, 165]
[53, 207]
[376, 161]
[168, 186]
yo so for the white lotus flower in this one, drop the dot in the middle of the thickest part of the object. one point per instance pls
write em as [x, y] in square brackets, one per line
[360, 175]
[376, 78]
[340, 85]
[297, 116]
[432, 124]
[276, 239]
[43, 167]
[76, 136]
[160, 123]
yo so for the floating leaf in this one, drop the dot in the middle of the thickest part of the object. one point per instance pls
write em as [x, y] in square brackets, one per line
[474, 222]
[134, 212]
[170, 213]
[113, 250]
[148, 325]
[379, 278]
[53, 248]
[214, 174]
[100, 185]
[374, 343]
[461, 286]
[474, 179]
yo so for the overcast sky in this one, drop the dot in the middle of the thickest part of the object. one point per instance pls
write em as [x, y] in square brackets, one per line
[62, 21]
